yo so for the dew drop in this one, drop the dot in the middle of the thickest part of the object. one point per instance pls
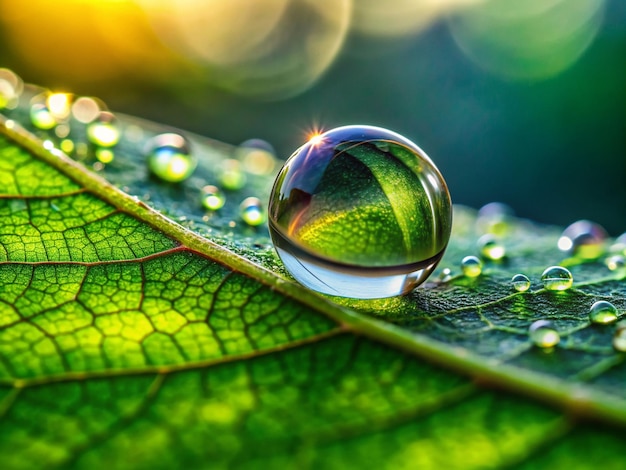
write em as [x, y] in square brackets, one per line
[232, 176]
[557, 278]
[619, 337]
[471, 266]
[213, 198]
[445, 275]
[105, 155]
[41, 117]
[169, 157]
[257, 156]
[360, 212]
[11, 86]
[86, 109]
[583, 239]
[104, 131]
[252, 211]
[520, 282]
[543, 334]
[619, 245]
[67, 145]
[494, 218]
[59, 105]
[615, 263]
[490, 248]
[603, 312]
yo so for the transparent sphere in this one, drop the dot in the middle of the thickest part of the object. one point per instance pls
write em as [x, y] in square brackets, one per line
[583, 239]
[170, 158]
[360, 212]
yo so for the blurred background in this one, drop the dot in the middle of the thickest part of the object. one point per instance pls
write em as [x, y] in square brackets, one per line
[522, 102]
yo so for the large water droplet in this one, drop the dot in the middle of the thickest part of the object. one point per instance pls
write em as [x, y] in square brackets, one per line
[603, 312]
[543, 334]
[169, 157]
[520, 282]
[557, 278]
[471, 266]
[583, 239]
[104, 131]
[360, 212]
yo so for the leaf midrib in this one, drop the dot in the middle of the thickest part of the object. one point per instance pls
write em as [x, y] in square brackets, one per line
[574, 398]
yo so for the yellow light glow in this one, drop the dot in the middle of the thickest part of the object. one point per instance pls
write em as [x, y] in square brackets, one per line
[316, 139]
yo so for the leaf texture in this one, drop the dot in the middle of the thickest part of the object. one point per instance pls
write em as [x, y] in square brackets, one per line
[128, 341]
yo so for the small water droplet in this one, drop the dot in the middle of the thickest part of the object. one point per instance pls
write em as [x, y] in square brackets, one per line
[252, 211]
[11, 87]
[445, 275]
[557, 278]
[619, 245]
[257, 156]
[105, 155]
[349, 218]
[104, 131]
[520, 282]
[59, 105]
[494, 218]
[169, 157]
[615, 263]
[67, 146]
[232, 176]
[583, 239]
[490, 248]
[471, 266]
[619, 337]
[41, 117]
[543, 334]
[213, 198]
[603, 312]
[86, 109]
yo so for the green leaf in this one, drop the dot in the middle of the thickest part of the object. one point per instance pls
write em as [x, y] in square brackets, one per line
[130, 341]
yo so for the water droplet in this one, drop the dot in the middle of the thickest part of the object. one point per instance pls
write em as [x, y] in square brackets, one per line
[62, 131]
[619, 245]
[41, 117]
[615, 263]
[494, 218]
[104, 131]
[169, 157]
[11, 87]
[257, 156]
[583, 239]
[445, 275]
[67, 146]
[352, 219]
[471, 266]
[232, 176]
[520, 282]
[252, 211]
[619, 337]
[213, 198]
[603, 312]
[543, 334]
[86, 109]
[59, 105]
[490, 248]
[557, 278]
[105, 155]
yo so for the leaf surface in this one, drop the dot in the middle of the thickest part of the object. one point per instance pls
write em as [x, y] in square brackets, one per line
[128, 340]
